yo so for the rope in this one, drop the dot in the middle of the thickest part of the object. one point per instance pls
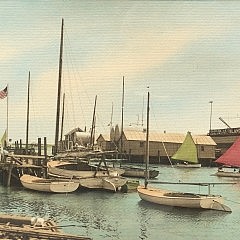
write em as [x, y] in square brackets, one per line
[232, 201]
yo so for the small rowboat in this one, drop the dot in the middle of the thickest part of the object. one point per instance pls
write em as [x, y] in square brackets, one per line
[48, 185]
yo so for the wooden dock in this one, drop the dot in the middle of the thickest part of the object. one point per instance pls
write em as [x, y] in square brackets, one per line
[21, 227]
[14, 166]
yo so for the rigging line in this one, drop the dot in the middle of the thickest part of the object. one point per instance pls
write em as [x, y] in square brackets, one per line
[32, 110]
[169, 159]
[76, 76]
[74, 67]
[72, 105]
[70, 84]
[231, 201]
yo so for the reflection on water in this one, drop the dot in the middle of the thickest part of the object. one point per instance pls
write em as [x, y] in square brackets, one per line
[104, 215]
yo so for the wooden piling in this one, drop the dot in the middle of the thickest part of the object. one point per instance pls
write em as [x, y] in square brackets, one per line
[45, 158]
[9, 174]
[39, 150]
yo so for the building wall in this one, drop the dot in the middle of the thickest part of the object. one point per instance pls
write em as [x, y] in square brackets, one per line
[206, 151]
[159, 149]
[134, 150]
[102, 144]
[223, 143]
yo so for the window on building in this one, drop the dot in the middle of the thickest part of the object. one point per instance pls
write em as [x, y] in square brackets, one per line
[141, 144]
[202, 148]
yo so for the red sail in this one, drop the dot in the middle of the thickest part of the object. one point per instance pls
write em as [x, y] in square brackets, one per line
[232, 156]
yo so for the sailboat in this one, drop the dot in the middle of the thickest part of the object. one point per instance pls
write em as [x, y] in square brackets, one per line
[177, 199]
[86, 175]
[131, 170]
[187, 153]
[230, 161]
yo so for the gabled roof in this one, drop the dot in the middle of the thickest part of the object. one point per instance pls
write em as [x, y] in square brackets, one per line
[203, 140]
[74, 130]
[106, 137]
[134, 135]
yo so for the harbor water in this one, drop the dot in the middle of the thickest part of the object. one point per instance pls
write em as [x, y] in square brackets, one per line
[113, 216]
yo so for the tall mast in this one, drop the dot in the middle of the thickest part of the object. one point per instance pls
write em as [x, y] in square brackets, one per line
[62, 116]
[122, 118]
[93, 123]
[59, 91]
[147, 143]
[27, 127]
[7, 117]
[111, 117]
[142, 110]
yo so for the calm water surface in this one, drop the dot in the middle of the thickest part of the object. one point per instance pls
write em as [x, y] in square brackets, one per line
[104, 215]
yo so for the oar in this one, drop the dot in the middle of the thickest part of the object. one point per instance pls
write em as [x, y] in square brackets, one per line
[56, 226]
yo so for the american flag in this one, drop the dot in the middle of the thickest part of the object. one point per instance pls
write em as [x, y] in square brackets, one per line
[3, 93]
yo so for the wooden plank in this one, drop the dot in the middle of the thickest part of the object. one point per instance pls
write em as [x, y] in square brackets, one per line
[26, 156]
[40, 234]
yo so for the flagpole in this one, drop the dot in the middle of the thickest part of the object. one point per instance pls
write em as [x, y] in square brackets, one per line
[7, 117]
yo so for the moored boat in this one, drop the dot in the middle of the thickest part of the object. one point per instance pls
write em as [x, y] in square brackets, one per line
[230, 159]
[173, 198]
[187, 154]
[48, 185]
[137, 172]
[113, 184]
[80, 169]
[182, 199]
[92, 177]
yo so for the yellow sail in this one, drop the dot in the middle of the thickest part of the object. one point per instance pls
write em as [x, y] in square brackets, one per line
[187, 151]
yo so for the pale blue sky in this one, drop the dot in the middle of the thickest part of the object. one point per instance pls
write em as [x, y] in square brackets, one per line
[188, 53]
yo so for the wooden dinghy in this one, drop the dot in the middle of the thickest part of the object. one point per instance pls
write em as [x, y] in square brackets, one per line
[138, 172]
[230, 174]
[108, 183]
[48, 185]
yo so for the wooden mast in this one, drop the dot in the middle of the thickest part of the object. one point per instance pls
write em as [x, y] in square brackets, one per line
[27, 127]
[62, 117]
[93, 123]
[59, 91]
[147, 145]
[122, 118]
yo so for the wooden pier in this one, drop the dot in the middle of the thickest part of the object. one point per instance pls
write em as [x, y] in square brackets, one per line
[21, 227]
[18, 161]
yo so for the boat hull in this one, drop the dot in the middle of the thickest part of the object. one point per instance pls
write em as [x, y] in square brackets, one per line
[228, 174]
[139, 173]
[48, 185]
[70, 170]
[108, 183]
[197, 165]
[185, 200]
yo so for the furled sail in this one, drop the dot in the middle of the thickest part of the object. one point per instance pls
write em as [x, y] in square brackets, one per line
[232, 156]
[187, 151]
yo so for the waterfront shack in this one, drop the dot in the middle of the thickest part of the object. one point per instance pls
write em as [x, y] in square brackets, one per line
[162, 145]
[74, 139]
